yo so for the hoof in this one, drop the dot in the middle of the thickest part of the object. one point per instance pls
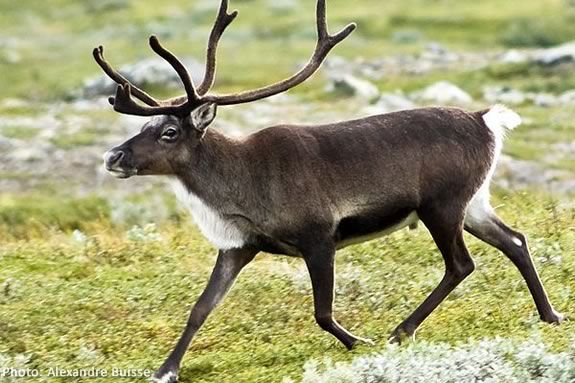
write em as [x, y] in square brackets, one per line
[359, 341]
[555, 318]
[165, 377]
[401, 335]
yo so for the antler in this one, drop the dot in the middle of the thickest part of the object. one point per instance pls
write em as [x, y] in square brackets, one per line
[324, 45]
[123, 101]
[178, 67]
[181, 106]
[98, 54]
[222, 21]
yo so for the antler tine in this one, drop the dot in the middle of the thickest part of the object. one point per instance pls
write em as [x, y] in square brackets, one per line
[98, 54]
[123, 103]
[321, 20]
[222, 21]
[325, 44]
[178, 67]
[324, 38]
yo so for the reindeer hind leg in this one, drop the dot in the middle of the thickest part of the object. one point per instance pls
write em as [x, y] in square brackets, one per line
[482, 222]
[445, 223]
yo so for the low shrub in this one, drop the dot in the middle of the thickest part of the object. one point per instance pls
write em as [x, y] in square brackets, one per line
[497, 360]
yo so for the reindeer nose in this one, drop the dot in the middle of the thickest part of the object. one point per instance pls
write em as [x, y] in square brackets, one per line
[112, 157]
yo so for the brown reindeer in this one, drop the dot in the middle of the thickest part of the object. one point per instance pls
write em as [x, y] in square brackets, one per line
[306, 191]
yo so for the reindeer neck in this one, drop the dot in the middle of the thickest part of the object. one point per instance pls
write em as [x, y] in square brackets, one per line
[215, 170]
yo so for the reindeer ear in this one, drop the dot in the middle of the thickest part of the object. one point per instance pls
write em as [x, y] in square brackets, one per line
[203, 116]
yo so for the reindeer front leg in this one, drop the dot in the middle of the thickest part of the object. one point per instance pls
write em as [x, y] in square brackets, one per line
[319, 258]
[228, 266]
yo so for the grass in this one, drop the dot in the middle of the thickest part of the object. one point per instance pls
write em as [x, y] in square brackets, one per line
[23, 216]
[85, 137]
[19, 132]
[111, 301]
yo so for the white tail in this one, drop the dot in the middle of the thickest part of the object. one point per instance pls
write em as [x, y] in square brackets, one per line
[499, 118]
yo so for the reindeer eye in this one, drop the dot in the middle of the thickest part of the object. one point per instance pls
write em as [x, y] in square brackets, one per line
[169, 134]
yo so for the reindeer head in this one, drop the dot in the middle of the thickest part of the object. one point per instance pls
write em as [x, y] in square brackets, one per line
[180, 123]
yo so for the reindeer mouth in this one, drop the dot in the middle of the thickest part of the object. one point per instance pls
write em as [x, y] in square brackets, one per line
[122, 173]
[115, 163]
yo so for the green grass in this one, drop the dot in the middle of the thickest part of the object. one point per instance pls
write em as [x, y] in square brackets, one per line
[73, 140]
[19, 132]
[35, 214]
[127, 301]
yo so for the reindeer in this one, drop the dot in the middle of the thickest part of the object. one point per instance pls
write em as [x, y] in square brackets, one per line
[306, 191]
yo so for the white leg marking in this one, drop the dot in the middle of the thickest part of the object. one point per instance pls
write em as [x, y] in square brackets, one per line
[479, 209]
[166, 378]
[517, 241]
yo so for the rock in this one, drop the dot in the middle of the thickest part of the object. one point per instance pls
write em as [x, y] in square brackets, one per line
[438, 53]
[503, 94]
[567, 98]
[153, 71]
[416, 67]
[545, 100]
[443, 92]
[30, 153]
[368, 69]
[513, 56]
[6, 144]
[556, 55]
[433, 57]
[520, 174]
[565, 147]
[350, 85]
[389, 102]
[337, 64]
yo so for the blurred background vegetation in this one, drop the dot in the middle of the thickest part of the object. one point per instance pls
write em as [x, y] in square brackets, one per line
[86, 280]
[55, 41]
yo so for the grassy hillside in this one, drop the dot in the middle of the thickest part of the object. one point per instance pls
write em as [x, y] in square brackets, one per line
[118, 297]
